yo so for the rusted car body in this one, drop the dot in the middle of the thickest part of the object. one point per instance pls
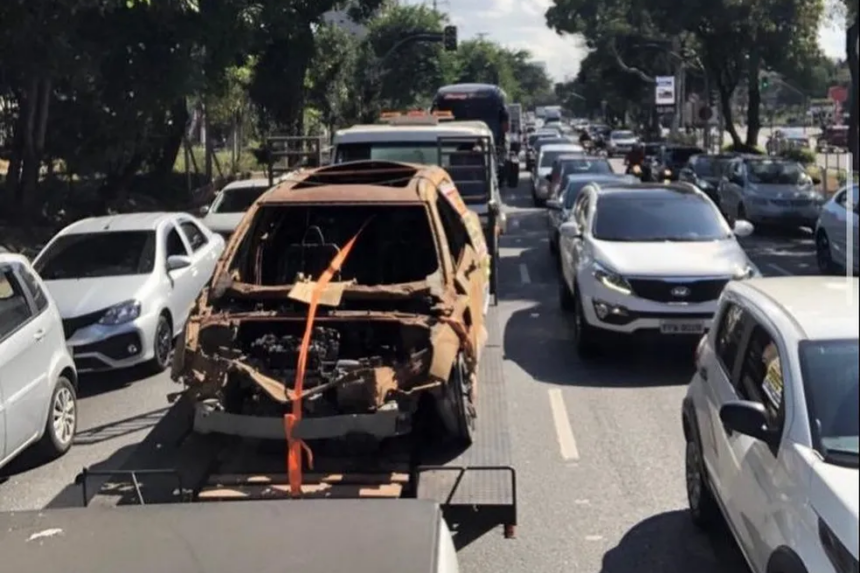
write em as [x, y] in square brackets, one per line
[403, 318]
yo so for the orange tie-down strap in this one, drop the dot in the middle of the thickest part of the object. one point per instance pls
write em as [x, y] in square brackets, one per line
[295, 447]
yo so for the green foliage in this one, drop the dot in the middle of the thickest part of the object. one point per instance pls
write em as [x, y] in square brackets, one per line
[799, 154]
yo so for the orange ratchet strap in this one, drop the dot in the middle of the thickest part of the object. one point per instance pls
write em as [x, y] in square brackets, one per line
[295, 447]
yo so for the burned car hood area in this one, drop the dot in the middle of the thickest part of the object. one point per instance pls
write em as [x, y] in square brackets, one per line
[400, 316]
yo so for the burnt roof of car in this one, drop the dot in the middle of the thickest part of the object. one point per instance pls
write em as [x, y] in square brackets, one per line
[356, 182]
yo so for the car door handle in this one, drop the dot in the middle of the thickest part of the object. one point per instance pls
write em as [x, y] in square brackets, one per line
[40, 334]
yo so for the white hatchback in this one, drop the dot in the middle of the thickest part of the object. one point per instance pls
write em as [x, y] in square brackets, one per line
[38, 402]
[771, 423]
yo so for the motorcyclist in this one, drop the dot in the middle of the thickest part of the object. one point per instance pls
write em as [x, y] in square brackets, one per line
[635, 159]
[585, 139]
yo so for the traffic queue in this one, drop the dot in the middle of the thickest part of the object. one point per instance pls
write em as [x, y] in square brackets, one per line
[770, 417]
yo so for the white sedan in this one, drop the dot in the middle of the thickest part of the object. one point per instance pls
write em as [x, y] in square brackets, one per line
[646, 259]
[771, 424]
[125, 285]
[836, 240]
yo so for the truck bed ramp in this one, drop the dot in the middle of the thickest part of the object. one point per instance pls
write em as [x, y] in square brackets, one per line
[264, 537]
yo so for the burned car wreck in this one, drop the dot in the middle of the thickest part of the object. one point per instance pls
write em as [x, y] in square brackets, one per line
[369, 282]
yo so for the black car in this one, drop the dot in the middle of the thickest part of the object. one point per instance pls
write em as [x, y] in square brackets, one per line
[704, 171]
[672, 159]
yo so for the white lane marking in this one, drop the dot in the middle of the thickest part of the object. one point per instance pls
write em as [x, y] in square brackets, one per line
[563, 431]
[779, 269]
[524, 274]
[594, 538]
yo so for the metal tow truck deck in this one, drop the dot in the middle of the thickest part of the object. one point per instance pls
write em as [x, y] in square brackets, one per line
[263, 536]
[403, 397]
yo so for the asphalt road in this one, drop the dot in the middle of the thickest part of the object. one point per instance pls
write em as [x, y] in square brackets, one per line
[598, 448]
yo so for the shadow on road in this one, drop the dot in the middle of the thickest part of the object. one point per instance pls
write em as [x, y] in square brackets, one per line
[72, 494]
[119, 428]
[669, 543]
[96, 383]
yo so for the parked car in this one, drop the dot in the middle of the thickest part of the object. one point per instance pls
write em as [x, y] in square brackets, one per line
[836, 228]
[645, 258]
[560, 206]
[771, 424]
[769, 190]
[230, 204]
[125, 285]
[543, 168]
[38, 380]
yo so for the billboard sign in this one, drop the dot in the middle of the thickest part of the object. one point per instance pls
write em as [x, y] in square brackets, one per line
[664, 91]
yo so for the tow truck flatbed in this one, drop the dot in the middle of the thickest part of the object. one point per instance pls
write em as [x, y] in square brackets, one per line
[310, 536]
[474, 487]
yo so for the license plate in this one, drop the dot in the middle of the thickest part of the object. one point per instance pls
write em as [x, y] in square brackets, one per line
[682, 327]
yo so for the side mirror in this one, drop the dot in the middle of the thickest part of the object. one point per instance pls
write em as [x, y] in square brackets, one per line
[204, 209]
[816, 180]
[570, 230]
[554, 205]
[749, 419]
[176, 262]
[743, 228]
[549, 177]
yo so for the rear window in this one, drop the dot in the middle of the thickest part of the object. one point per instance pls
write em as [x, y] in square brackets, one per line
[396, 246]
[575, 166]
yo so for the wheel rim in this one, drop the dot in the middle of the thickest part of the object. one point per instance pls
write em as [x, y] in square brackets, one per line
[694, 476]
[162, 342]
[64, 415]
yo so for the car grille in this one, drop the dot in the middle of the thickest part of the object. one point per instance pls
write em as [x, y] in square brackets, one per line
[704, 290]
[791, 202]
[72, 325]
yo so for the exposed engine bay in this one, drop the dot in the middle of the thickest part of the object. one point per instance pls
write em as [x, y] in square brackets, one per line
[352, 367]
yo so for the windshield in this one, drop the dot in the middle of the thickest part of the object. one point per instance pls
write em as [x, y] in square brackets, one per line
[669, 218]
[575, 166]
[705, 166]
[89, 255]
[680, 155]
[482, 107]
[830, 379]
[622, 135]
[549, 156]
[775, 172]
[238, 199]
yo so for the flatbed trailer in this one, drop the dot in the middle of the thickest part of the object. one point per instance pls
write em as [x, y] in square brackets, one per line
[475, 488]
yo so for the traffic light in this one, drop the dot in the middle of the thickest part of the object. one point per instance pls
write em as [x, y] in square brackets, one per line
[765, 82]
[449, 38]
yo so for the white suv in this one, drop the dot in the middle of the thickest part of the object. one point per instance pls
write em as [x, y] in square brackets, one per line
[37, 375]
[771, 423]
[645, 259]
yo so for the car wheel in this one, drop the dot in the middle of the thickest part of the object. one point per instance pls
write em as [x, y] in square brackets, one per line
[162, 345]
[703, 506]
[553, 244]
[459, 410]
[586, 337]
[62, 422]
[823, 255]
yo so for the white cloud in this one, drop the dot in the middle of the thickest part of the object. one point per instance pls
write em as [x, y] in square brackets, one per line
[520, 24]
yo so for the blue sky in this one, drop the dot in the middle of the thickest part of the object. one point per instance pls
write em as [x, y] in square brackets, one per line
[521, 24]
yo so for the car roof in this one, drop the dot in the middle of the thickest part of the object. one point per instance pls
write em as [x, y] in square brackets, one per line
[338, 184]
[123, 222]
[649, 190]
[820, 307]
[572, 147]
[7, 258]
[576, 155]
[246, 184]
[373, 133]
[597, 177]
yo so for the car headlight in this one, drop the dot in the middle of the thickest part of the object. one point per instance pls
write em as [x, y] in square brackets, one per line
[748, 271]
[121, 313]
[610, 279]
